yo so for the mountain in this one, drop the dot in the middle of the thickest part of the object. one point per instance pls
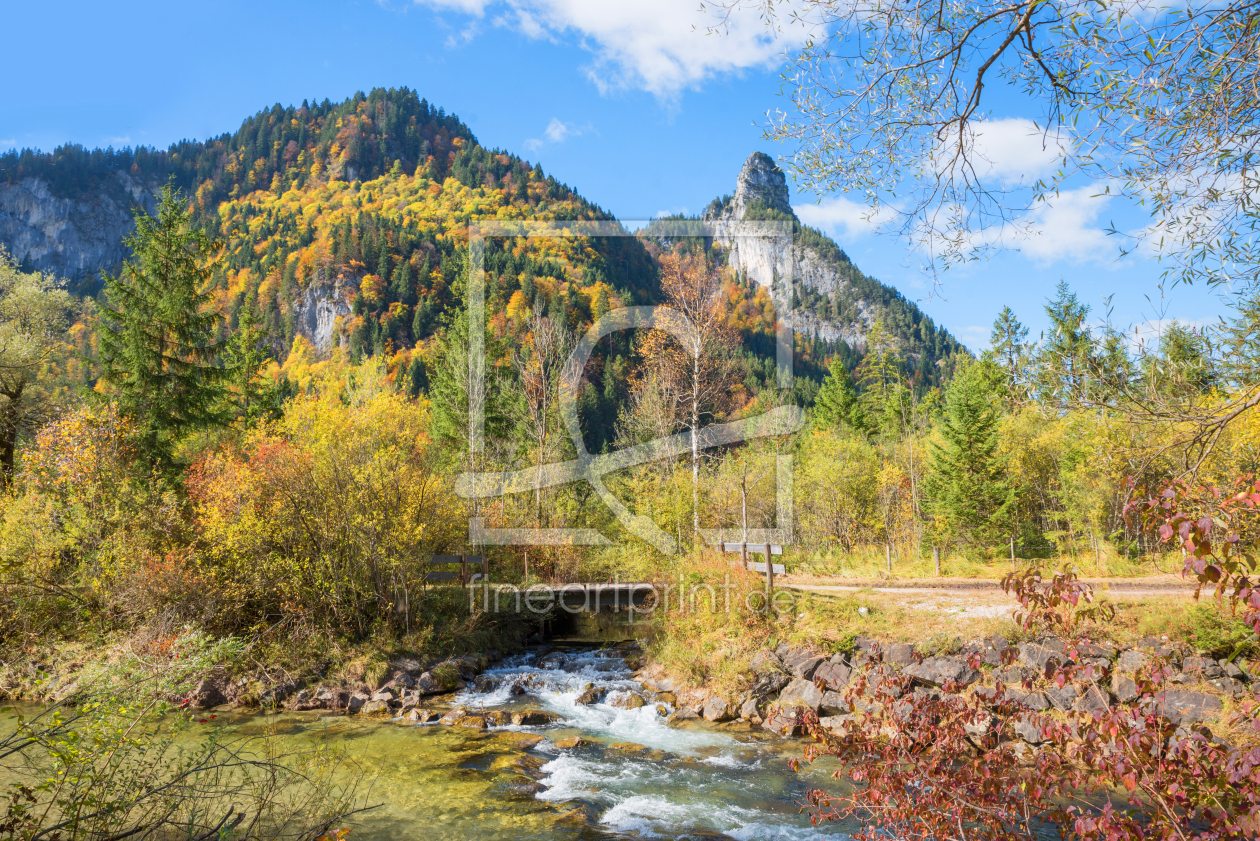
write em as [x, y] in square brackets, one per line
[341, 222]
[833, 302]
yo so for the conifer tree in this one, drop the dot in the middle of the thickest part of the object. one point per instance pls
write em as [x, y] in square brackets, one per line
[158, 338]
[837, 402]
[967, 484]
[1008, 344]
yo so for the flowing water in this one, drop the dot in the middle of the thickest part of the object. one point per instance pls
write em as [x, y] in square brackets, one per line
[696, 780]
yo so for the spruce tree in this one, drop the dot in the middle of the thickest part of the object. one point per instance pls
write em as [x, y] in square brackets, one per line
[837, 404]
[967, 484]
[158, 338]
[1008, 344]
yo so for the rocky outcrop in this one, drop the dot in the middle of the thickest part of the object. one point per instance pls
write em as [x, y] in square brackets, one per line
[73, 238]
[317, 311]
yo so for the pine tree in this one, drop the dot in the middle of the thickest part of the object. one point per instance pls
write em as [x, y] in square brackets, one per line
[837, 403]
[159, 335]
[243, 357]
[400, 284]
[1064, 363]
[967, 484]
[1008, 344]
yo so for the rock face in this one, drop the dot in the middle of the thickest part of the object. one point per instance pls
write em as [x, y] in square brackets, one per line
[74, 238]
[827, 297]
[319, 308]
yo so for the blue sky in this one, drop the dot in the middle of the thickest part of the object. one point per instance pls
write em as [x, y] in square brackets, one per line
[630, 103]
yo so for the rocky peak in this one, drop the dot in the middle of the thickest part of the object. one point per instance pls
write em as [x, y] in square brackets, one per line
[761, 183]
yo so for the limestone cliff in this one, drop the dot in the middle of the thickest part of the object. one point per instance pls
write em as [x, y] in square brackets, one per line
[830, 299]
[74, 238]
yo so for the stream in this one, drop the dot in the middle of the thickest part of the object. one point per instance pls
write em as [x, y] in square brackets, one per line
[638, 777]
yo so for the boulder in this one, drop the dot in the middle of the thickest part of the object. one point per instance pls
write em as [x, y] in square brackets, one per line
[1033, 700]
[835, 723]
[766, 660]
[883, 681]
[473, 722]
[422, 716]
[590, 695]
[573, 742]
[783, 723]
[1185, 706]
[1039, 657]
[1203, 668]
[627, 701]
[1123, 687]
[408, 665]
[1232, 670]
[375, 707]
[1015, 674]
[385, 695]
[453, 716]
[899, 654]
[716, 709]
[1028, 731]
[438, 681]
[1228, 686]
[207, 694]
[800, 693]
[356, 702]
[667, 698]
[937, 671]
[684, 714]
[517, 690]
[1063, 697]
[1091, 700]
[1130, 661]
[485, 683]
[749, 709]
[533, 718]
[991, 649]
[833, 675]
[803, 664]
[832, 703]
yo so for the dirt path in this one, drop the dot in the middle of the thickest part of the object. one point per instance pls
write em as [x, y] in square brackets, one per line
[972, 596]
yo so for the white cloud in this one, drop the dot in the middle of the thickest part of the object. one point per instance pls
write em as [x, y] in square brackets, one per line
[118, 141]
[662, 46]
[8, 142]
[843, 217]
[1013, 151]
[1063, 227]
[557, 131]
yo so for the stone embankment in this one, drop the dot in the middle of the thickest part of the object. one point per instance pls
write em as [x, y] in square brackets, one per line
[788, 681]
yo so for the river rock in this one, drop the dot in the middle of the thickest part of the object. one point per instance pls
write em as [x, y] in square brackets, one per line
[408, 665]
[626, 700]
[356, 702]
[207, 694]
[573, 742]
[533, 718]
[485, 683]
[749, 709]
[552, 662]
[662, 710]
[521, 741]
[765, 661]
[375, 707]
[453, 716]
[800, 693]
[591, 695]
[422, 716]
[435, 683]
[684, 714]
[667, 698]
[883, 681]
[1028, 730]
[473, 722]
[716, 709]
[835, 723]
[783, 723]
[517, 690]
[385, 695]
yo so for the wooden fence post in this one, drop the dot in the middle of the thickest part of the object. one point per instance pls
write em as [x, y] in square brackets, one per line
[769, 577]
[743, 553]
[936, 559]
[463, 569]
